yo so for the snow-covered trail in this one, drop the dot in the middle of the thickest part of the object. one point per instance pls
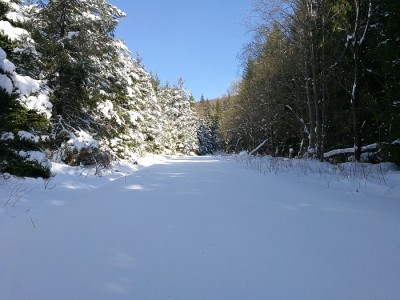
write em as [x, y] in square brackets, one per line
[203, 228]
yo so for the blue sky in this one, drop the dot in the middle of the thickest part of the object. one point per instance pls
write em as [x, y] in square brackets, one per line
[198, 40]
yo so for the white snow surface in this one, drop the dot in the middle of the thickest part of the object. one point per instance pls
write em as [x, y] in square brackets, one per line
[198, 228]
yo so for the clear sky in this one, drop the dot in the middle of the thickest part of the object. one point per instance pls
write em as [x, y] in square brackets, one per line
[198, 40]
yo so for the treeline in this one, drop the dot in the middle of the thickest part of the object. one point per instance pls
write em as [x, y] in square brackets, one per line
[70, 91]
[319, 75]
[210, 139]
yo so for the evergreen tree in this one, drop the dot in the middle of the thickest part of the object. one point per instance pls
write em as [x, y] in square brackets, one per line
[78, 47]
[23, 101]
[102, 104]
[75, 37]
[209, 135]
[179, 120]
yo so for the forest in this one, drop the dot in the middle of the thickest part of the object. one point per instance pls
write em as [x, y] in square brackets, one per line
[71, 92]
[320, 80]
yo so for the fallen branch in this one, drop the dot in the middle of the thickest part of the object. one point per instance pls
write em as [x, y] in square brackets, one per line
[258, 147]
[349, 150]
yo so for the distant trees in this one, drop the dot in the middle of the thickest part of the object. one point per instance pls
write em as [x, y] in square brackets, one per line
[323, 76]
[208, 132]
[178, 123]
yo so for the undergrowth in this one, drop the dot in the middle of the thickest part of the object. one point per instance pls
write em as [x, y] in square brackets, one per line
[355, 172]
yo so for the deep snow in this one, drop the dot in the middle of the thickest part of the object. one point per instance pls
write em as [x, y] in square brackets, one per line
[199, 228]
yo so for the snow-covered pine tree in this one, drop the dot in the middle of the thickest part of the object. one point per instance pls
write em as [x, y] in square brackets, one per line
[209, 135]
[77, 42]
[24, 105]
[180, 121]
[128, 107]
[104, 105]
[206, 138]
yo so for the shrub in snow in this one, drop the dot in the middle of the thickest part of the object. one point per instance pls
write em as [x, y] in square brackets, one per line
[82, 149]
[26, 167]
[86, 157]
[31, 163]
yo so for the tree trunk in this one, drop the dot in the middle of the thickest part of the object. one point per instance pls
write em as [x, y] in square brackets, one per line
[358, 37]
[318, 121]
[354, 110]
[310, 108]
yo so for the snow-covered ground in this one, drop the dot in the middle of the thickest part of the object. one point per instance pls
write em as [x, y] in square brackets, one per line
[199, 228]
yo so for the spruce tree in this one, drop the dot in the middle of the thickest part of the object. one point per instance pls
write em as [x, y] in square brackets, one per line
[23, 102]
[179, 120]
[78, 46]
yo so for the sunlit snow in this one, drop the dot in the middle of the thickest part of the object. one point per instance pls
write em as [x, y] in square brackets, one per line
[200, 228]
